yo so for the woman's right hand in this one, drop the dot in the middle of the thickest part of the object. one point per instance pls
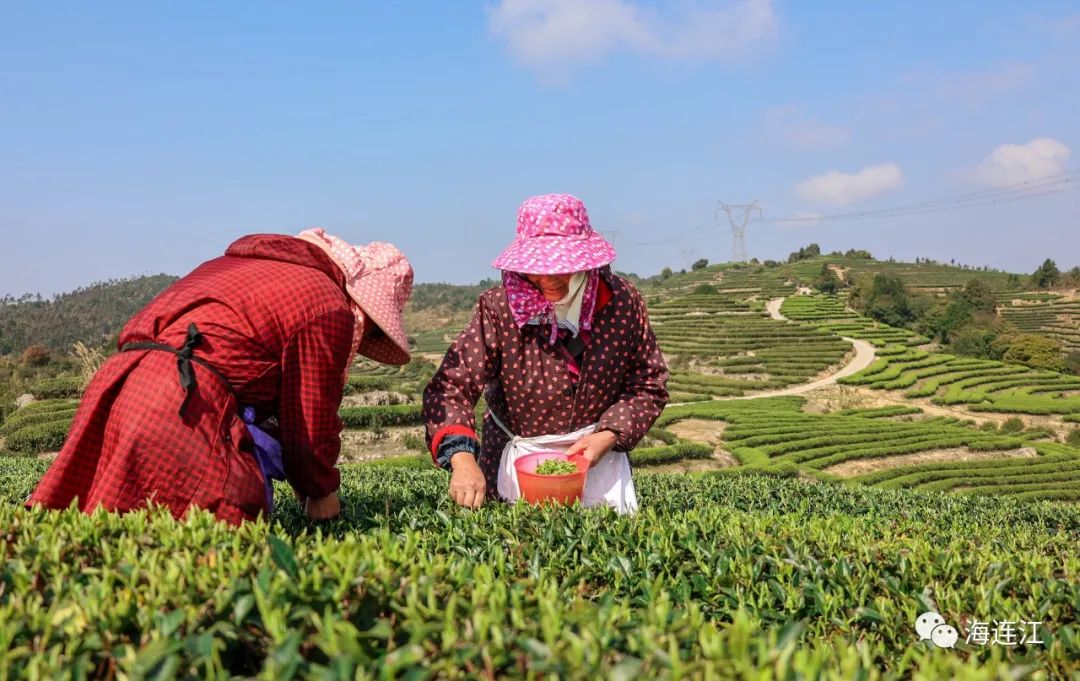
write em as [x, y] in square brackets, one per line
[467, 484]
[326, 508]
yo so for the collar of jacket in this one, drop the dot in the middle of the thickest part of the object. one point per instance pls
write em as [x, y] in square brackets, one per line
[286, 249]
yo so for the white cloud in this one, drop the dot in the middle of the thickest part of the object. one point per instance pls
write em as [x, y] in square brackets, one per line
[1014, 163]
[556, 34]
[839, 189]
[791, 127]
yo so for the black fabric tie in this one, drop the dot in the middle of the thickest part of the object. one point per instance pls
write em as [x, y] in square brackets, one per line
[183, 362]
[185, 356]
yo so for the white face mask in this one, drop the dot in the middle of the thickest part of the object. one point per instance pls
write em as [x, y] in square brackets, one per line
[568, 310]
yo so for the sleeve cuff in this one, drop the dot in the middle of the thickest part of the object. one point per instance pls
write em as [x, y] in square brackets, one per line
[446, 431]
[454, 444]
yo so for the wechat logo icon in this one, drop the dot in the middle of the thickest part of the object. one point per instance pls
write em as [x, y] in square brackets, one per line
[931, 627]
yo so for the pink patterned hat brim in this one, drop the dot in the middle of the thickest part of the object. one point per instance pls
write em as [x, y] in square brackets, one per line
[555, 254]
[381, 294]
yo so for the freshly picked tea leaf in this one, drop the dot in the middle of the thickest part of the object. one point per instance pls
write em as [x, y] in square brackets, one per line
[556, 467]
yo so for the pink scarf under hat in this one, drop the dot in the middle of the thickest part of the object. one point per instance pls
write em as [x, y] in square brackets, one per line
[528, 304]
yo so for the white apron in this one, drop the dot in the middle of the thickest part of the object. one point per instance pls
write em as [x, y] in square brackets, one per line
[608, 482]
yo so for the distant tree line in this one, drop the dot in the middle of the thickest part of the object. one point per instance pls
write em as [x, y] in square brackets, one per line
[814, 250]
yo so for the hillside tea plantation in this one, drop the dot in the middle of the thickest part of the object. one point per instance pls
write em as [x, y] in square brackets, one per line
[717, 577]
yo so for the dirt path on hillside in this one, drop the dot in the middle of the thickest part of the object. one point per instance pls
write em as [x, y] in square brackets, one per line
[864, 356]
[773, 308]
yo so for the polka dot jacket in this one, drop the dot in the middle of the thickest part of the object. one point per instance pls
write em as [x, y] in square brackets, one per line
[528, 384]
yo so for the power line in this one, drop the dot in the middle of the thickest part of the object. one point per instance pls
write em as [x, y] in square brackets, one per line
[891, 213]
[1060, 181]
[1015, 192]
[676, 237]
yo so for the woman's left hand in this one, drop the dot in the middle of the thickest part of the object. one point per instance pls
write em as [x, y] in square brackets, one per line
[593, 446]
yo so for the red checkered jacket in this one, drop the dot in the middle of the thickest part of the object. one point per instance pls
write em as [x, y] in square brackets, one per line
[277, 324]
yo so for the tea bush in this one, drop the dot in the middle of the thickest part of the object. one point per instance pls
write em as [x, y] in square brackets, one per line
[1012, 425]
[715, 577]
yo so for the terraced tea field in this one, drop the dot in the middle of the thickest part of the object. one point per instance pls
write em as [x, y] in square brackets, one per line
[737, 281]
[1057, 318]
[893, 446]
[979, 385]
[722, 346]
[829, 313]
[899, 445]
[919, 276]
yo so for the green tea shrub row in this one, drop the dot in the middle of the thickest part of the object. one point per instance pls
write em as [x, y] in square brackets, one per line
[41, 437]
[665, 436]
[23, 418]
[913, 475]
[59, 387]
[49, 405]
[879, 412]
[651, 456]
[379, 416]
[677, 396]
[361, 384]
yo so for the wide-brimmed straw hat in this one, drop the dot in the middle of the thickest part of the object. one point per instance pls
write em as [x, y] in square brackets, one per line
[554, 237]
[378, 278]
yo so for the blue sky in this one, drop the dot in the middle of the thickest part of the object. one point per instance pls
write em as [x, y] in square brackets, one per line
[144, 137]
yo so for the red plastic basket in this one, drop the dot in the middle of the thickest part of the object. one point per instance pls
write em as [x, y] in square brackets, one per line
[560, 489]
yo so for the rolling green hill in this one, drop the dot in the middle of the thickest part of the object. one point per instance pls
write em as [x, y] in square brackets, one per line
[91, 314]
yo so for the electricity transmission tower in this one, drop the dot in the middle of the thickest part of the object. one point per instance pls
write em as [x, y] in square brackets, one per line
[738, 215]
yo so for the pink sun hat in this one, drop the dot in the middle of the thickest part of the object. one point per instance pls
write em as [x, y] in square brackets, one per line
[379, 279]
[554, 237]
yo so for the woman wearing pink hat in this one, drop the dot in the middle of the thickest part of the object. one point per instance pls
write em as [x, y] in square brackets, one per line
[232, 377]
[563, 353]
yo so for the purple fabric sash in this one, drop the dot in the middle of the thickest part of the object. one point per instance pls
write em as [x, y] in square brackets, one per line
[267, 455]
